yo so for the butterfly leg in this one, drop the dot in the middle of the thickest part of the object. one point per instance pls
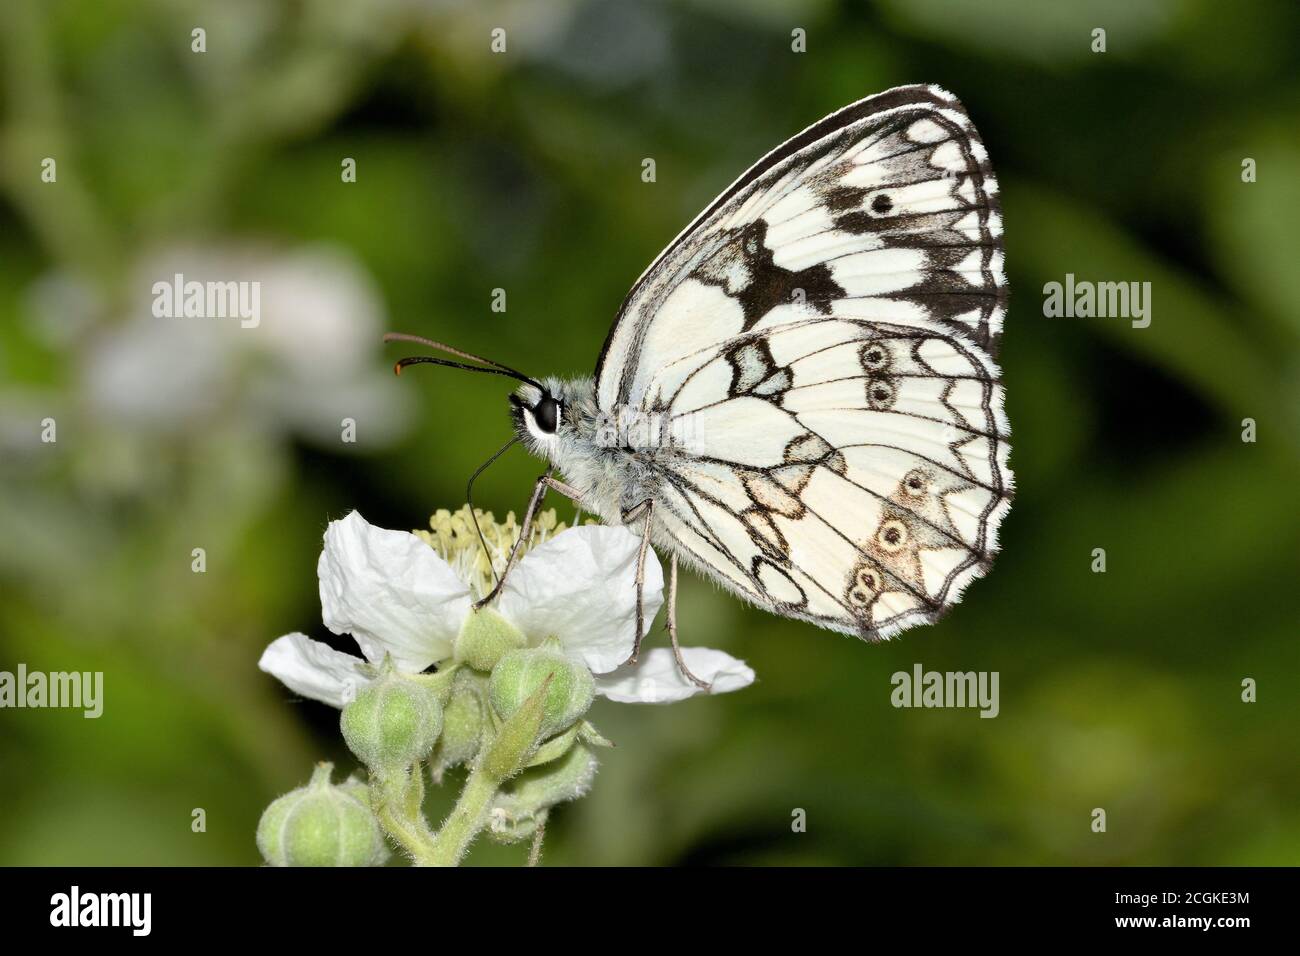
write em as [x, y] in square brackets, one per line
[672, 629]
[632, 514]
[539, 492]
[646, 508]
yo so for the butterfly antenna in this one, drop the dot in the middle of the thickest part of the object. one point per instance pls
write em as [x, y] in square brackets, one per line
[487, 365]
[469, 499]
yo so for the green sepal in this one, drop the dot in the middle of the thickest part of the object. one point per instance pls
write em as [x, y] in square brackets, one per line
[555, 747]
[518, 735]
[590, 735]
[517, 808]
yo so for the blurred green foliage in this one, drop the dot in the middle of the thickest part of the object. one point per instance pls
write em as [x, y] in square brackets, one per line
[521, 171]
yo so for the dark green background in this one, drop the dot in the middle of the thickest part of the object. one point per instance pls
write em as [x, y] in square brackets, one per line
[522, 171]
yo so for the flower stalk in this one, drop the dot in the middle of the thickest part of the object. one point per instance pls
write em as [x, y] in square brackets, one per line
[398, 798]
[401, 815]
[466, 819]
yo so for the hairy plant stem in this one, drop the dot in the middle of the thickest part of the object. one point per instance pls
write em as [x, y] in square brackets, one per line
[535, 851]
[395, 801]
[466, 818]
[397, 798]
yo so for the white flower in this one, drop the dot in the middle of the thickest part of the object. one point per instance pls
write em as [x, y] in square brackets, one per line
[656, 678]
[396, 594]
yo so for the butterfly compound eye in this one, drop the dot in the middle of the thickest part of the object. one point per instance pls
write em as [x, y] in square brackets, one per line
[547, 414]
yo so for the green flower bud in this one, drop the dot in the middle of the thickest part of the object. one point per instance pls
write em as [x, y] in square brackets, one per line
[321, 825]
[516, 808]
[392, 723]
[354, 786]
[485, 637]
[520, 673]
[462, 725]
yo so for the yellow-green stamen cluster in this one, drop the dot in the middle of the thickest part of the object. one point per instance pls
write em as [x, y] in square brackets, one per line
[453, 536]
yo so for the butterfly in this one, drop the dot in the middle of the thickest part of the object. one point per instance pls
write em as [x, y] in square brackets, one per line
[800, 398]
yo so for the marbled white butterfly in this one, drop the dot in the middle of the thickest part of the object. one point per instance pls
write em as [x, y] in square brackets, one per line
[799, 397]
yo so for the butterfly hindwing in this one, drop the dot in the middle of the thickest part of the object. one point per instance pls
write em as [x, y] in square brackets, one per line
[821, 340]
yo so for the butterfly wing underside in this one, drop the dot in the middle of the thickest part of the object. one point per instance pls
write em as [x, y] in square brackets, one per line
[820, 345]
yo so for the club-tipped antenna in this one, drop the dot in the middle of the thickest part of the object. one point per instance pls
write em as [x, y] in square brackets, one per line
[487, 365]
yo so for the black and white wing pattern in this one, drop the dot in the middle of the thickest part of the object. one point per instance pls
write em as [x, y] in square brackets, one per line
[821, 344]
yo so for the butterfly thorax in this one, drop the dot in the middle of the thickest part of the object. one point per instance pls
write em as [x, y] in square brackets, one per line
[595, 452]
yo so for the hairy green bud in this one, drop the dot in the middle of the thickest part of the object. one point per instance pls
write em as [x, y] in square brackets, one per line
[392, 723]
[485, 637]
[462, 724]
[321, 825]
[520, 673]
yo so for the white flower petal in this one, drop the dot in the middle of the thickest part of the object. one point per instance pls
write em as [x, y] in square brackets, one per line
[313, 669]
[581, 587]
[390, 591]
[656, 678]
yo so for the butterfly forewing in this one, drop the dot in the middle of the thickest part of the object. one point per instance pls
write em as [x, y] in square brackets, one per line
[821, 341]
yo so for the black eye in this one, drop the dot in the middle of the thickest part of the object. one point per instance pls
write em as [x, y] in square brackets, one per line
[547, 414]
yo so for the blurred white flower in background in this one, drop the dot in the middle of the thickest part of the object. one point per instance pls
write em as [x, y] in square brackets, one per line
[194, 411]
[312, 359]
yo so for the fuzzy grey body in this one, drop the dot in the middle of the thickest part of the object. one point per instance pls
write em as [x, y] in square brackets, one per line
[611, 477]
[611, 480]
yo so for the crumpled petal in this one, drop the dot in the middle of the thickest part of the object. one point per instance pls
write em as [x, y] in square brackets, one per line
[313, 669]
[581, 587]
[391, 591]
[656, 678]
